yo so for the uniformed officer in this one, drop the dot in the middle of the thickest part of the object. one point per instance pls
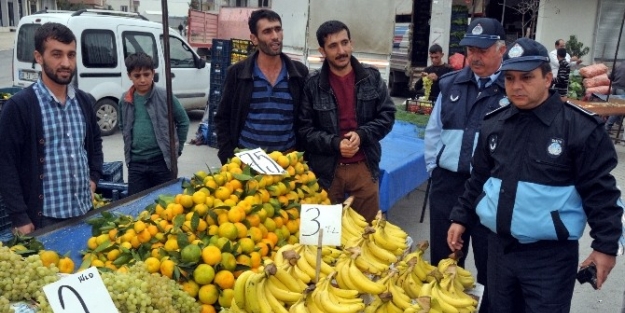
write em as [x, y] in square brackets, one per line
[465, 97]
[537, 179]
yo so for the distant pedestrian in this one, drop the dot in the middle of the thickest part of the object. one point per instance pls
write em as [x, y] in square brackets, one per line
[561, 80]
[180, 29]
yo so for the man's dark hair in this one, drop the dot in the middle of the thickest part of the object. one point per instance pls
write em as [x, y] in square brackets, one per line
[258, 15]
[328, 28]
[139, 61]
[435, 48]
[56, 31]
[562, 52]
[545, 68]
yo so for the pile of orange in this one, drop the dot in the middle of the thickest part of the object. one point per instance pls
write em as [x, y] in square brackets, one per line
[222, 224]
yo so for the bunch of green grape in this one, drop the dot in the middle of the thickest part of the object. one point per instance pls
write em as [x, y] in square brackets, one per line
[22, 279]
[139, 291]
[427, 87]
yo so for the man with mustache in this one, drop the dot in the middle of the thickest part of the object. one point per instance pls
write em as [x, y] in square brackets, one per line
[261, 94]
[346, 110]
[466, 96]
[537, 179]
[51, 154]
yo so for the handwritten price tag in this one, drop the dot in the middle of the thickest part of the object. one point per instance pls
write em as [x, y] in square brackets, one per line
[315, 217]
[80, 292]
[260, 162]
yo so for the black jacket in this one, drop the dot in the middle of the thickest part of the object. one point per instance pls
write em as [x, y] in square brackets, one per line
[319, 126]
[236, 97]
[22, 157]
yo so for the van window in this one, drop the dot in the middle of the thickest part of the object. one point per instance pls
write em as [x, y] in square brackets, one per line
[26, 42]
[140, 42]
[180, 54]
[98, 48]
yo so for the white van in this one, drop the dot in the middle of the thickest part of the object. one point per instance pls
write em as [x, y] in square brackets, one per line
[104, 39]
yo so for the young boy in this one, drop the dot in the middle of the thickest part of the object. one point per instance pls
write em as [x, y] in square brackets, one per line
[561, 81]
[144, 124]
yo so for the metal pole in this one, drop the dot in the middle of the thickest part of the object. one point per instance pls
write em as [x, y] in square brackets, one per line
[503, 11]
[173, 155]
[618, 44]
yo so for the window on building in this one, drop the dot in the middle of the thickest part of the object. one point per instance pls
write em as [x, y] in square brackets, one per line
[263, 3]
[241, 3]
[99, 49]
[124, 8]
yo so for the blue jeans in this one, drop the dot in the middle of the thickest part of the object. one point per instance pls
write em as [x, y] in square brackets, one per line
[143, 175]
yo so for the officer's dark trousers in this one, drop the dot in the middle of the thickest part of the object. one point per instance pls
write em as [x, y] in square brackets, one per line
[446, 187]
[531, 278]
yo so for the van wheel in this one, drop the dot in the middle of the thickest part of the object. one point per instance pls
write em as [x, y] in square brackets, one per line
[106, 114]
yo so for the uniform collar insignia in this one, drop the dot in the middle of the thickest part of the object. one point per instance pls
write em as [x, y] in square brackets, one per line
[454, 98]
[504, 102]
[492, 143]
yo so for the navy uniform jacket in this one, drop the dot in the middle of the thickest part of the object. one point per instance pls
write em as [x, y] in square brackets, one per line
[541, 174]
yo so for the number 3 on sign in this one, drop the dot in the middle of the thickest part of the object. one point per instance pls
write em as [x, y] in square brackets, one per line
[315, 217]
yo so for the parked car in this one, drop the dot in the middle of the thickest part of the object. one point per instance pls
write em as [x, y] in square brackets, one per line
[104, 39]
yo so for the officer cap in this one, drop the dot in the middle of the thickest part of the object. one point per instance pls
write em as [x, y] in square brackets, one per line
[483, 33]
[524, 55]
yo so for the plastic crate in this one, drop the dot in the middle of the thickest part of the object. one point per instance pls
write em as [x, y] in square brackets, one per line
[243, 46]
[113, 172]
[113, 191]
[221, 48]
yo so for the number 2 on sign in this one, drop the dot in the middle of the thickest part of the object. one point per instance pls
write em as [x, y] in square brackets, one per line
[317, 217]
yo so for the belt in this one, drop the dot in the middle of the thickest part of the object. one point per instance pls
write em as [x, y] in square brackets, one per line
[346, 164]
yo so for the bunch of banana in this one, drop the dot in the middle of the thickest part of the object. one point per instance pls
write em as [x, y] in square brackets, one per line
[371, 259]
[389, 236]
[463, 279]
[399, 298]
[408, 279]
[421, 267]
[250, 294]
[351, 277]
[280, 287]
[287, 260]
[304, 258]
[335, 300]
[446, 298]
[352, 224]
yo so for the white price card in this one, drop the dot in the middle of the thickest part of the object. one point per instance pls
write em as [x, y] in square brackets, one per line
[80, 292]
[260, 162]
[314, 217]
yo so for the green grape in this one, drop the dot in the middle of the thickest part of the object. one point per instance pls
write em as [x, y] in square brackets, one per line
[427, 87]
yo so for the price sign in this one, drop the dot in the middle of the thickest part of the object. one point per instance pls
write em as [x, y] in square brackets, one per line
[80, 292]
[315, 217]
[260, 162]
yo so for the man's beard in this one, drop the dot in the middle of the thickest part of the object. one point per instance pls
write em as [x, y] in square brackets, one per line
[56, 78]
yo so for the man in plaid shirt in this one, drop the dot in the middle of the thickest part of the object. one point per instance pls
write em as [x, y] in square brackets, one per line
[52, 149]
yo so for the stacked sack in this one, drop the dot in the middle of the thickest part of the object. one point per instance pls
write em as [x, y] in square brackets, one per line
[596, 79]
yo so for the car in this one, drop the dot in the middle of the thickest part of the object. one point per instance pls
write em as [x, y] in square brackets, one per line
[104, 39]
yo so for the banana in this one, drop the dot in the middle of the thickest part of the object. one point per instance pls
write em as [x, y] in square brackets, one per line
[306, 267]
[400, 299]
[239, 288]
[234, 308]
[299, 307]
[391, 244]
[281, 292]
[442, 301]
[311, 306]
[392, 308]
[279, 257]
[419, 271]
[252, 301]
[426, 290]
[373, 305]
[323, 301]
[301, 275]
[365, 266]
[274, 303]
[343, 279]
[350, 227]
[379, 253]
[356, 217]
[311, 258]
[288, 280]
[412, 286]
[343, 293]
[264, 305]
[362, 282]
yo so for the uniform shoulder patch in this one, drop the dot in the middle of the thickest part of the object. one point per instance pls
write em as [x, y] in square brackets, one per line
[496, 111]
[580, 109]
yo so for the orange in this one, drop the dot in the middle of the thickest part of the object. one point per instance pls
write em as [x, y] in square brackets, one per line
[139, 226]
[293, 226]
[91, 243]
[190, 254]
[247, 245]
[271, 224]
[241, 230]
[244, 260]
[167, 268]
[171, 245]
[113, 234]
[152, 229]
[186, 201]
[197, 198]
[263, 248]
[207, 308]
[225, 297]
[66, 265]
[135, 242]
[255, 259]
[49, 257]
[278, 220]
[272, 237]
[228, 230]
[222, 218]
[253, 219]
[113, 254]
[203, 274]
[208, 294]
[96, 263]
[144, 235]
[152, 264]
[191, 288]
[212, 230]
[224, 279]
[235, 215]
[211, 255]
[102, 238]
[228, 261]
[255, 234]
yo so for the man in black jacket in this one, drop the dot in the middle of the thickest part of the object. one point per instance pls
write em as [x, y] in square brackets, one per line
[346, 110]
[261, 94]
[51, 154]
